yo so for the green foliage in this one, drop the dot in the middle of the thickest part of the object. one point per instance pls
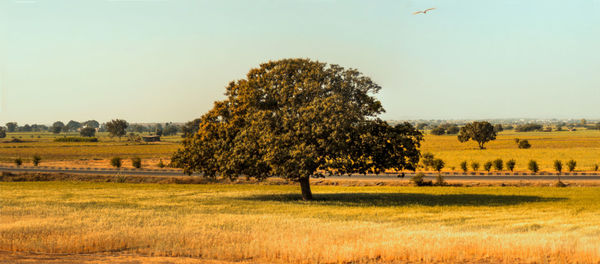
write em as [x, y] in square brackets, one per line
[463, 166]
[498, 164]
[116, 162]
[190, 128]
[2, 132]
[510, 164]
[439, 180]
[87, 132]
[427, 160]
[76, 139]
[57, 127]
[524, 144]
[419, 180]
[136, 162]
[298, 118]
[116, 128]
[595, 167]
[18, 162]
[438, 131]
[72, 126]
[487, 166]
[160, 164]
[438, 165]
[529, 128]
[533, 166]
[452, 130]
[498, 128]
[36, 160]
[571, 164]
[481, 132]
[558, 166]
[91, 123]
[11, 126]
[475, 165]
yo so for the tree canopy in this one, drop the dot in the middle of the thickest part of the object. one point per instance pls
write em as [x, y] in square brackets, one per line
[480, 132]
[116, 128]
[297, 119]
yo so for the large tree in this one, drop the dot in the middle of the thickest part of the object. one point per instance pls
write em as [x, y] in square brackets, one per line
[481, 132]
[116, 128]
[72, 126]
[11, 126]
[57, 127]
[297, 119]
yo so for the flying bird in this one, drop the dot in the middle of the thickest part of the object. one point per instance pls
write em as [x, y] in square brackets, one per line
[424, 11]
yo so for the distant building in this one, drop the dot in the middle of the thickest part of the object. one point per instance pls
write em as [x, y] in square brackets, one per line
[151, 138]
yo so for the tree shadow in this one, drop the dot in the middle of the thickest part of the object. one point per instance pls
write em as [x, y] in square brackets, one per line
[405, 199]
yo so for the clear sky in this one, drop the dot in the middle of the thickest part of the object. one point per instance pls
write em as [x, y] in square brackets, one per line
[156, 61]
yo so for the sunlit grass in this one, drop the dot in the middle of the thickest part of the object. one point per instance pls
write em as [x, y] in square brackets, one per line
[270, 223]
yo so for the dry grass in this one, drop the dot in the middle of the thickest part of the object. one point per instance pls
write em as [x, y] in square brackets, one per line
[267, 223]
[582, 146]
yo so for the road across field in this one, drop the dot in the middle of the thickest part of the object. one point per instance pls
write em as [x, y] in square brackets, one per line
[177, 172]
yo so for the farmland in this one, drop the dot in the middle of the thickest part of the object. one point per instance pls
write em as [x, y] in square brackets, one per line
[582, 146]
[268, 223]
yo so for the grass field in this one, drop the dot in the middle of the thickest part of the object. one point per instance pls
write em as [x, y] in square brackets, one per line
[267, 223]
[583, 146]
[81, 154]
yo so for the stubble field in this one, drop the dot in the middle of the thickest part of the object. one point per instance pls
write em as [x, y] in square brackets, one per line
[268, 223]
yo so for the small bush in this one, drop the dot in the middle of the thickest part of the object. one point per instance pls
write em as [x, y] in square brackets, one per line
[18, 162]
[160, 164]
[76, 139]
[463, 166]
[533, 166]
[558, 166]
[438, 165]
[439, 180]
[438, 131]
[595, 167]
[524, 144]
[487, 166]
[510, 164]
[419, 180]
[498, 164]
[571, 164]
[136, 162]
[475, 165]
[36, 160]
[116, 162]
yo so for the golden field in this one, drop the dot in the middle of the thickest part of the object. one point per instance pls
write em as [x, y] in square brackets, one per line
[582, 146]
[268, 223]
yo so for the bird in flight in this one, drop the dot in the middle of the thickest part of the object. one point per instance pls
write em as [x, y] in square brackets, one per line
[424, 11]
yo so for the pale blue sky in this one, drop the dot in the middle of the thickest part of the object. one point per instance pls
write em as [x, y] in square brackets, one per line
[148, 61]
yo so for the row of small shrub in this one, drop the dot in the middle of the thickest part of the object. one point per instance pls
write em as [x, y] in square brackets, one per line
[35, 160]
[533, 166]
[76, 139]
[136, 162]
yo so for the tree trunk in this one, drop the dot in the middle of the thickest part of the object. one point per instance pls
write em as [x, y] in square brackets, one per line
[480, 145]
[305, 187]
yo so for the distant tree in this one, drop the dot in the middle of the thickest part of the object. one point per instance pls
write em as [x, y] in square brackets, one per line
[481, 132]
[57, 127]
[524, 144]
[475, 165]
[137, 128]
[11, 126]
[510, 164]
[25, 128]
[509, 127]
[18, 162]
[116, 162]
[72, 126]
[498, 128]
[160, 164]
[529, 128]
[116, 128]
[170, 129]
[190, 128]
[533, 166]
[438, 131]
[136, 162]
[498, 164]
[2, 132]
[427, 160]
[463, 166]
[438, 165]
[571, 164]
[36, 160]
[422, 126]
[487, 166]
[158, 131]
[558, 167]
[91, 123]
[452, 130]
[87, 132]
